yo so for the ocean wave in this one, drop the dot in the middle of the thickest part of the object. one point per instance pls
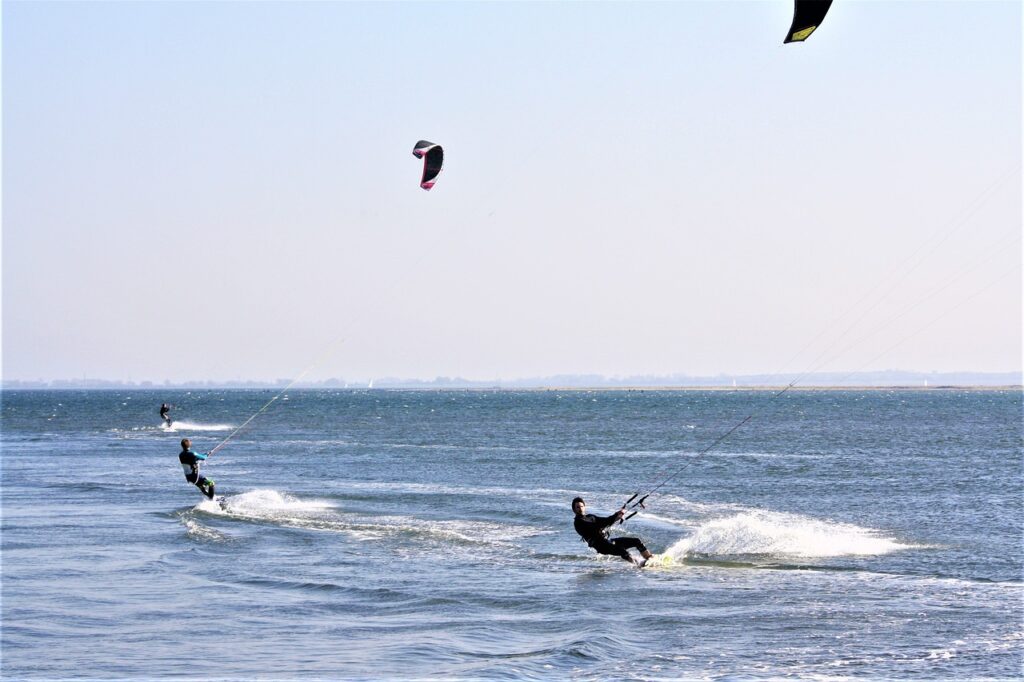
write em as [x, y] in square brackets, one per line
[974, 645]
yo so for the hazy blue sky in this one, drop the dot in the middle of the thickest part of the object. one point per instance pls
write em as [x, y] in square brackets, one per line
[219, 191]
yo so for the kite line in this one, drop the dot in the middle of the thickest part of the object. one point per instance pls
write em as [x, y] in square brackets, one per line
[667, 474]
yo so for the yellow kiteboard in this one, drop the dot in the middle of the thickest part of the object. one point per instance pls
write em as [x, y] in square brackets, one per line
[660, 561]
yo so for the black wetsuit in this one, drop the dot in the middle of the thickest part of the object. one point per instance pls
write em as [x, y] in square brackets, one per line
[165, 413]
[190, 463]
[594, 529]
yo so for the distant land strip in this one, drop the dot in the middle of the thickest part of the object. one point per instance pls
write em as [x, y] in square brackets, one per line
[883, 380]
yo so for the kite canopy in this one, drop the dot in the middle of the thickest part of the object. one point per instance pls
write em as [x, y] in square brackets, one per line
[433, 159]
[807, 16]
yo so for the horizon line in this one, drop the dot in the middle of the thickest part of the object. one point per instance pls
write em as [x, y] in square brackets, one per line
[866, 379]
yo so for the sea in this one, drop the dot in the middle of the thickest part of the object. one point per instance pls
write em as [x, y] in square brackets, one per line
[403, 535]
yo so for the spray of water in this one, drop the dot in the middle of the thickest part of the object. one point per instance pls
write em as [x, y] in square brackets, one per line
[177, 426]
[261, 504]
[779, 534]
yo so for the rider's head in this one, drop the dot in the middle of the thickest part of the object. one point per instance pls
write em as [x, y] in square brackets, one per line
[185, 443]
[578, 505]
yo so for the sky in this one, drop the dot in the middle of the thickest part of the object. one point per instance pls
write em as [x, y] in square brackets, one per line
[226, 191]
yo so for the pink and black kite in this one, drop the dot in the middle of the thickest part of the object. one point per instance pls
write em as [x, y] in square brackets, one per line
[433, 159]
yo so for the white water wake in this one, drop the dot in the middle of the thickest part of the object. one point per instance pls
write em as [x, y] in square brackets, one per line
[282, 509]
[781, 534]
[262, 504]
[194, 426]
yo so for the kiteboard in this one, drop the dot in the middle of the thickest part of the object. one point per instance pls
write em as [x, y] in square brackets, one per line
[660, 561]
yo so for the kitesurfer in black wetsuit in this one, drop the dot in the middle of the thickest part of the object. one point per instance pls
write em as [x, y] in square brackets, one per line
[594, 529]
[165, 414]
[190, 463]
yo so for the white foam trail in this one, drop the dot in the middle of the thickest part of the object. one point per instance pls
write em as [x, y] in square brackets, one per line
[198, 530]
[664, 520]
[775, 533]
[261, 504]
[193, 426]
[280, 508]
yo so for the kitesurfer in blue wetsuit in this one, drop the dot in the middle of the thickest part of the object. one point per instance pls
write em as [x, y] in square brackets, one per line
[190, 463]
[594, 529]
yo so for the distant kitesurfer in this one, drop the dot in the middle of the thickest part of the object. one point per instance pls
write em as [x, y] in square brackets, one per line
[594, 529]
[190, 463]
[165, 414]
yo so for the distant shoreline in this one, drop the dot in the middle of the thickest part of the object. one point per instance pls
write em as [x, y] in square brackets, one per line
[520, 389]
[949, 387]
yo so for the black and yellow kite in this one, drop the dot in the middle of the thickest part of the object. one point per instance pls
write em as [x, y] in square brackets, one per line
[807, 16]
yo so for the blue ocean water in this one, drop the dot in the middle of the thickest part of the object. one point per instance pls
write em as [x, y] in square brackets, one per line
[396, 535]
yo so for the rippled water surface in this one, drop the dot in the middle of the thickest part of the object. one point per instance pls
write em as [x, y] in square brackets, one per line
[388, 534]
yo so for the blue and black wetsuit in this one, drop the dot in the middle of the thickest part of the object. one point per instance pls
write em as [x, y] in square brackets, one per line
[594, 529]
[190, 463]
